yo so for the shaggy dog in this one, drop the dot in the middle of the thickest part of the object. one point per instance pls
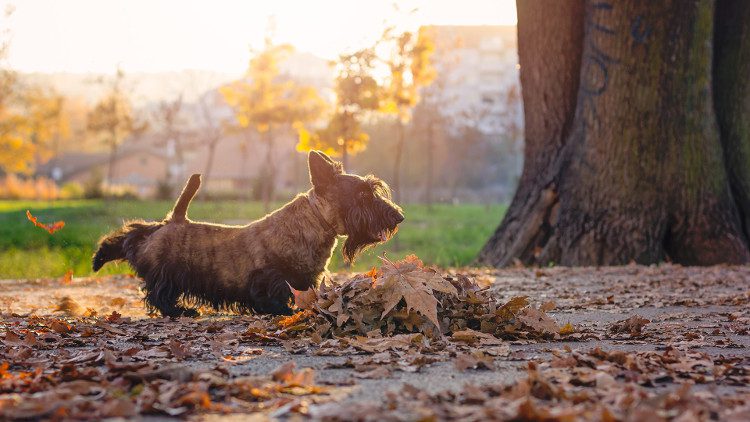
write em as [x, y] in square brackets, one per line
[242, 268]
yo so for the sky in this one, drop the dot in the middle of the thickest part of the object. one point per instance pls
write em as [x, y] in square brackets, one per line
[97, 36]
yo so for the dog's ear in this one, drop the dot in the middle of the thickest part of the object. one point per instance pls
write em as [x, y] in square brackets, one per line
[323, 170]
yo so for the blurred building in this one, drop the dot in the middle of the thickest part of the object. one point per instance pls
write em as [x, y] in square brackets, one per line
[472, 112]
[479, 67]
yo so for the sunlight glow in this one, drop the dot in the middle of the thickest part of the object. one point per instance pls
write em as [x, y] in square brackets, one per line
[148, 35]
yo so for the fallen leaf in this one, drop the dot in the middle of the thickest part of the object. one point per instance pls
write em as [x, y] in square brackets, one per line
[69, 306]
[51, 228]
[633, 325]
[567, 329]
[305, 299]
[68, 277]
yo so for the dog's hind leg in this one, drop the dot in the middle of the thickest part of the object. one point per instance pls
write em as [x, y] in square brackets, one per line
[270, 292]
[164, 296]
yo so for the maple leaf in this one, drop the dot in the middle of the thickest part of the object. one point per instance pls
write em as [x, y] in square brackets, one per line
[512, 307]
[407, 280]
[471, 337]
[633, 325]
[475, 360]
[538, 321]
[51, 228]
[179, 350]
[60, 326]
[113, 317]
[287, 375]
[304, 299]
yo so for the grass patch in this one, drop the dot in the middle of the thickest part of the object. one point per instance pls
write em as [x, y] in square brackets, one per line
[446, 235]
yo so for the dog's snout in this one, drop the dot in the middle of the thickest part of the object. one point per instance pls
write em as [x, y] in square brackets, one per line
[397, 217]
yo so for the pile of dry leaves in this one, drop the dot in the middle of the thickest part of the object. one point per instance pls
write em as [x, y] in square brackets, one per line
[407, 297]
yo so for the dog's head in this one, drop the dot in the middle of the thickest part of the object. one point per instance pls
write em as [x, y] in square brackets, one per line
[359, 207]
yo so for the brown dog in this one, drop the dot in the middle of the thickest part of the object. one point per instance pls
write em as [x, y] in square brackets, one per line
[251, 267]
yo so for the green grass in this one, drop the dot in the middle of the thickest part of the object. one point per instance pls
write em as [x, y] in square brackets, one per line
[445, 235]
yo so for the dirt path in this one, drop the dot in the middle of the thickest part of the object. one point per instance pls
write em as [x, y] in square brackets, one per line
[694, 330]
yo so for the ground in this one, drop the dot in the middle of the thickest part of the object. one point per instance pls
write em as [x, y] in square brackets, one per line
[446, 235]
[660, 342]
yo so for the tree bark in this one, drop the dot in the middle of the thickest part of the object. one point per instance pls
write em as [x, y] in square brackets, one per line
[732, 97]
[550, 57]
[640, 176]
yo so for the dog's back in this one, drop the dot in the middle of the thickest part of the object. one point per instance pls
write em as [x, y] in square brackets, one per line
[123, 243]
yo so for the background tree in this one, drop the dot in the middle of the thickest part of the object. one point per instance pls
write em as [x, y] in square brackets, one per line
[169, 121]
[267, 101]
[636, 140]
[17, 151]
[409, 63]
[32, 126]
[112, 120]
[210, 133]
[357, 93]
[16, 148]
[47, 121]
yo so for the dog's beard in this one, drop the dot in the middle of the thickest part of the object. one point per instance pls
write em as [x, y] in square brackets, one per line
[365, 227]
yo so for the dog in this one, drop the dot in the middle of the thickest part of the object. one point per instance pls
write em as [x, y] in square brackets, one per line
[253, 267]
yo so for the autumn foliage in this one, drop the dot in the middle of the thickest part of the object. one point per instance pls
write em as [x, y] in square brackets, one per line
[51, 228]
[408, 297]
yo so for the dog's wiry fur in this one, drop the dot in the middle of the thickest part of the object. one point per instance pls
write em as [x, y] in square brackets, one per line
[250, 268]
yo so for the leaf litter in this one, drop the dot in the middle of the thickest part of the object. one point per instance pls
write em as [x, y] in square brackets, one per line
[401, 318]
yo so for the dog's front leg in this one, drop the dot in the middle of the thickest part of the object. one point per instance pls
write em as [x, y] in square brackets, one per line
[270, 292]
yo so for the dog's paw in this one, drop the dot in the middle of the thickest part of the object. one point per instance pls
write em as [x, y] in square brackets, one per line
[191, 313]
[273, 307]
[181, 312]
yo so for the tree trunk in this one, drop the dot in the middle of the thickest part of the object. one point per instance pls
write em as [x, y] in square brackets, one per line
[635, 170]
[269, 178]
[397, 162]
[112, 160]
[430, 158]
[732, 97]
[209, 166]
[245, 151]
[345, 155]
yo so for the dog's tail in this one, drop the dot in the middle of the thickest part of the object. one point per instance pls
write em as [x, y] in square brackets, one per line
[123, 242]
[179, 212]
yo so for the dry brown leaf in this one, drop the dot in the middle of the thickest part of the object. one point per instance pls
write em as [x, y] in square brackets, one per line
[179, 350]
[118, 301]
[538, 321]
[512, 307]
[305, 299]
[69, 306]
[474, 360]
[633, 325]
[416, 286]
